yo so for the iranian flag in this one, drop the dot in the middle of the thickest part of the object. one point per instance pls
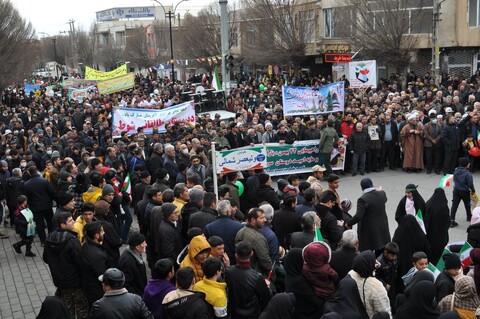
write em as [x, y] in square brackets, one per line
[478, 137]
[465, 255]
[446, 180]
[318, 235]
[441, 262]
[419, 218]
[216, 84]
[127, 186]
[434, 270]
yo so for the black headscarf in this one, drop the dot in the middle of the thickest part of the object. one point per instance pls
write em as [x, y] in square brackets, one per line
[293, 268]
[53, 308]
[421, 303]
[438, 224]
[364, 263]
[418, 202]
[280, 306]
[422, 275]
[410, 238]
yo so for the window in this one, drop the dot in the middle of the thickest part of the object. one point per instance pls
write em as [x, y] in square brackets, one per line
[474, 13]
[103, 38]
[120, 38]
[328, 17]
[307, 25]
[251, 36]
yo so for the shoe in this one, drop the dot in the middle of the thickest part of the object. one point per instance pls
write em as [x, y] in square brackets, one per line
[3, 236]
[17, 249]
[362, 173]
[429, 171]
[437, 172]
[381, 169]
[30, 254]
[354, 174]
[393, 168]
[453, 224]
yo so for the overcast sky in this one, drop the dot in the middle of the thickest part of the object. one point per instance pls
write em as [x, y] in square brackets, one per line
[51, 16]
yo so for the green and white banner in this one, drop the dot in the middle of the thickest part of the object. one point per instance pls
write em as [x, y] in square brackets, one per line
[278, 159]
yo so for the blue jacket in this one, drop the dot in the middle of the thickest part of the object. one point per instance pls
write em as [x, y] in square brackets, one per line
[272, 240]
[225, 228]
[463, 180]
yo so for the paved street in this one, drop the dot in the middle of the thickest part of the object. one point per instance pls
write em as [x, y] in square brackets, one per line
[27, 281]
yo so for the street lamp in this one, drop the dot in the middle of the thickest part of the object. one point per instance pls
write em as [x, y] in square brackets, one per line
[169, 14]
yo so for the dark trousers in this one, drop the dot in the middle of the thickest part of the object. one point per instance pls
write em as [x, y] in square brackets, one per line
[27, 241]
[388, 152]
[450, 160]
[372, 161]
[40, 217]
[457, 197]
[433, 158]
[326, 163]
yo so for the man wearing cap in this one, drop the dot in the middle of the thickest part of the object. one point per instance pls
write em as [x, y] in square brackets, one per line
[433, 144]
[371, 216]
[168, 241]
[265, 193]
[117, 302]
[132, 264]
[316, 177]
[445, 282]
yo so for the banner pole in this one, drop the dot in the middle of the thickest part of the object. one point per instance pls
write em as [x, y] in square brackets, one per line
[214, 164]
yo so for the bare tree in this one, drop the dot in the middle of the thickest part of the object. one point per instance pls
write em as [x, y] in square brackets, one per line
[137, 49]
[17, 45]
[277, 31]
[200, 35]
[386, 30]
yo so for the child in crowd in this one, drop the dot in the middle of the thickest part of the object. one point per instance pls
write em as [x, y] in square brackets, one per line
[21, 228]
[420, 262]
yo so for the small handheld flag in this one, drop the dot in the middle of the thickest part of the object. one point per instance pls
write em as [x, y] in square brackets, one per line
[434, 270]
[446, 180]
[464, 255]
[419, 218]
[318, 235]
[127, 186]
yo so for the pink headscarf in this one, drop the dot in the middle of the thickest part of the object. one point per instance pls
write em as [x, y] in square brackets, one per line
[475, 216]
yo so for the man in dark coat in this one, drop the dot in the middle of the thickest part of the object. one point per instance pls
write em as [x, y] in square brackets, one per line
[206, 215]
[40, 196]
[303, 238]
[14, 188]
[265, 193]
[445, 282]
[371, 216]
[94, 261]
[62, 255]
[286, 221]
[111, 239]
[330, 228]
[169, 242]
[133, 266]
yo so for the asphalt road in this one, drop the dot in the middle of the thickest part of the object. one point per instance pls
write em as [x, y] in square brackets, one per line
[393, 183]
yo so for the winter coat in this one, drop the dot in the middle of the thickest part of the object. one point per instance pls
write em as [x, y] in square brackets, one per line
[94, 263]
[170, 242]
[328, 140]
[473, 235]
[202, 218]
[371, 215]
[40, 193]
[260, 260]
[329, 228]
[62, 255]
[226, 228]
[120, 304]
[187, 305]
[111, 241]
[92, 194]
[450, 137]
[284, 224]
[14, 187]
[197, 244]
[265, 193]
[135, 272]
[463, 180]
[155, 291]
[358, 142]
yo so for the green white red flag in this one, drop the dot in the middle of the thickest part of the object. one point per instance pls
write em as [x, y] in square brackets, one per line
[216, 84]
[441, 262]
[446, 180]
[419, 218]
[127, 186]
[465, 255]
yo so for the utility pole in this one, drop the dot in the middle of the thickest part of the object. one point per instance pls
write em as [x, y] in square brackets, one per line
[437, 76]
[225, 44]
[73, 42]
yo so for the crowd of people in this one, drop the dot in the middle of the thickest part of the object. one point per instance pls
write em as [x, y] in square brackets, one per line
[242, 252]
